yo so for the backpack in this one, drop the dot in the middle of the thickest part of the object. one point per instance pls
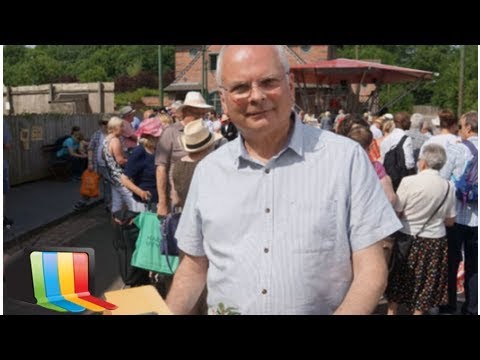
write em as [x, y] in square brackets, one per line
[466, 186]
[394, 163]
[59, 143]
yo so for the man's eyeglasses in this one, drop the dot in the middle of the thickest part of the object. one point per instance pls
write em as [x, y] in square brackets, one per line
[242, 91]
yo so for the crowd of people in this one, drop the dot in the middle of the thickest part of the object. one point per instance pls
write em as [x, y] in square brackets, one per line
[278, 217]
[441, 225]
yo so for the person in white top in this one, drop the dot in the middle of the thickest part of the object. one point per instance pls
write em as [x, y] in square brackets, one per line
[402, 123]
[448, 136]
[425, 205]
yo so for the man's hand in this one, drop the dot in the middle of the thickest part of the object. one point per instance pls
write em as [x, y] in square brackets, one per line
[162, 211]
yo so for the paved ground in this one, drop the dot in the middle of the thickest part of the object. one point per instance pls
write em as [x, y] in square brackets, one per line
[38, 204]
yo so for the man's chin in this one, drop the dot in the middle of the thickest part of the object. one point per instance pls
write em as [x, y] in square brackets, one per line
[258, 123]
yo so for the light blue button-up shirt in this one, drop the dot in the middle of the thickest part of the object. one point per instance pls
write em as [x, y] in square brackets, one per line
[458, 156]
[279, 238]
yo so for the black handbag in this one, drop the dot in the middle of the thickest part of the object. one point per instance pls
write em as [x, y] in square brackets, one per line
[403, 242]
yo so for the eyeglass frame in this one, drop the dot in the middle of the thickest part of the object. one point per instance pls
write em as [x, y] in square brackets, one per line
[262, 88]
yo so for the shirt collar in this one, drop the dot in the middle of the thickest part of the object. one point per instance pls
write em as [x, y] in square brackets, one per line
[295, 141]
[429, 171]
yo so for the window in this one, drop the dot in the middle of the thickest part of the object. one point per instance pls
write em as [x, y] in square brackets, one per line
[213, 62]
[305, 48]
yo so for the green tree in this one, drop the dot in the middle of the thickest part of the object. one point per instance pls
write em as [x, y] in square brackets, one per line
[14, 54]
[93, 74]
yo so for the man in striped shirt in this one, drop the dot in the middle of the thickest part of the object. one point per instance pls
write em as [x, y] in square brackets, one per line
[285, 219]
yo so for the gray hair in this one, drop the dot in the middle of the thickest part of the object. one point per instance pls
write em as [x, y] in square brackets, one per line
[434, 155]
[416, 121]
[281, 55]
[471, 118]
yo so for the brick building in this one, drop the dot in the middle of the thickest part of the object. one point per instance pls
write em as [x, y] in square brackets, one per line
[188, 67]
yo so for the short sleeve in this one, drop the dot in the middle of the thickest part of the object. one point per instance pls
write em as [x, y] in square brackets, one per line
[402, 195]
[189, 232]
[164, 147]
[372, 217]
[69, 143]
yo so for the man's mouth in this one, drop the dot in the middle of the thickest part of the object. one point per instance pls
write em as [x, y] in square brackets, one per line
[257, 113]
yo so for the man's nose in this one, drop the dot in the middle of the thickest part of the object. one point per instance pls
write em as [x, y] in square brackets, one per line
[256, 93]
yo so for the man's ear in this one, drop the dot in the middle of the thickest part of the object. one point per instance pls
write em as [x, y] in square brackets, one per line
[291, 86]
[223, 102]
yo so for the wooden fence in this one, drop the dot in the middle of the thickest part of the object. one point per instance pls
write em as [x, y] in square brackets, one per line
[27, 161]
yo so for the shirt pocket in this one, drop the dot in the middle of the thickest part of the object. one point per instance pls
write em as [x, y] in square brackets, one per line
[318, 227]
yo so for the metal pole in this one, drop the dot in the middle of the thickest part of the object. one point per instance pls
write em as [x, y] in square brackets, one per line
[204, 74]
[205, 69]
[160, 74]
[461, 80]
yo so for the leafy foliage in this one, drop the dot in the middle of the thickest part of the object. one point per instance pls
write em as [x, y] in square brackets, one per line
[134, 97]
[222, 310]
[144, 79]
[131, 67]
[83, 62]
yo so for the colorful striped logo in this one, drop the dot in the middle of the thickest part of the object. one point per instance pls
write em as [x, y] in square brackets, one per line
[60, 282]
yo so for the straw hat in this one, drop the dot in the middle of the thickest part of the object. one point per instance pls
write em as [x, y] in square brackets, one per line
[196, 137]
[196, 100]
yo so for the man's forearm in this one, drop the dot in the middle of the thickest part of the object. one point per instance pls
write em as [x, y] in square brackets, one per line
[162, 186]
[188, 284]
[369, 282]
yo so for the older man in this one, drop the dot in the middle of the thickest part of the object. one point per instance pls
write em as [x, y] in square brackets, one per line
[169, 148]
[301, 232]
[418, 139]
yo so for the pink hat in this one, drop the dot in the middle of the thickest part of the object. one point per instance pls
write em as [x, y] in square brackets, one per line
[151, 126]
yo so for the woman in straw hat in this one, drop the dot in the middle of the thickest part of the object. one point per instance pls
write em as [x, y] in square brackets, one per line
[198, 142]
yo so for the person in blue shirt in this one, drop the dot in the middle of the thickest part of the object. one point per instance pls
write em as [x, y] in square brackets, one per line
[140, 171]
[71, 151]
[286, 218]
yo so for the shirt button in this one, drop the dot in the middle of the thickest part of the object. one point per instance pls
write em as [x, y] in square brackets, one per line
[267, 210]
[266, 250]
[264, 292]
[267, 171]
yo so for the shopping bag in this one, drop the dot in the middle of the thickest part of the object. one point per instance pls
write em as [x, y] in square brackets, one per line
[90, 184]
[147, 254]
[401, 250]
